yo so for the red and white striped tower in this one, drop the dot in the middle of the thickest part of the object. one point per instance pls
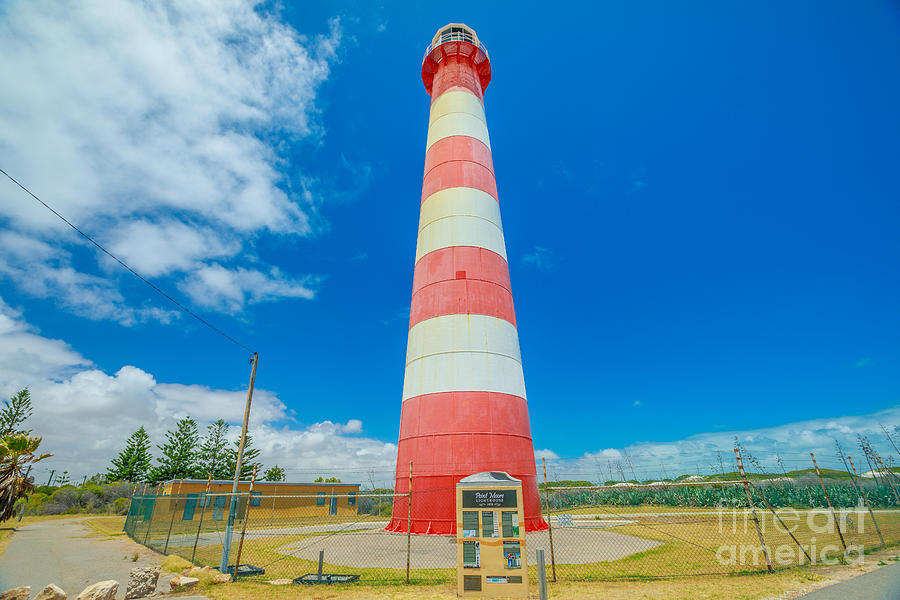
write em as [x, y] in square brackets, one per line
[464, 408]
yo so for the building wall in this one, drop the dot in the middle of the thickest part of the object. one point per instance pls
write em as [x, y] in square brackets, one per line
[275, 500]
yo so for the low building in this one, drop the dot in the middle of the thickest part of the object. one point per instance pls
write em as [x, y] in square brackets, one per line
[269, 499]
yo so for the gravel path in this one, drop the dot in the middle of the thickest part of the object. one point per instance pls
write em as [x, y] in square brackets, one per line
[66, 553]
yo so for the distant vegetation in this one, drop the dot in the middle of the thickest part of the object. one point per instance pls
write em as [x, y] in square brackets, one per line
[94, 496]
[18, 451]
[187, 455]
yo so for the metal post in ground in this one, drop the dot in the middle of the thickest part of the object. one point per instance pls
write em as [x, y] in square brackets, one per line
[232, 505]
[890, 477]
[862, 495]
[542, 574]
[237, 561]
[409, 522]
[762, 542]
[52, 473]
[549, 524]
[152, 512]
[777, 516]
[173, 504]
[837, 524]
[321, 563]
[203, 501]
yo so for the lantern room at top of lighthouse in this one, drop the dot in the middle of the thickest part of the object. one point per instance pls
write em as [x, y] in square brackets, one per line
[456, 42]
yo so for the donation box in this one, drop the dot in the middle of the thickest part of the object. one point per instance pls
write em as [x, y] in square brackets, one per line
[490, 537]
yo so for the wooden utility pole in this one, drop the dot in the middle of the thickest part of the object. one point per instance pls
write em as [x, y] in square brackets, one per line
[229, 528]
[762, 542]
[862, 494]
[837, 523]
[549, 525]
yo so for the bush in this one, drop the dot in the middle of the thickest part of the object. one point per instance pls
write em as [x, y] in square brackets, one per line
[69, 499]
[120, 506]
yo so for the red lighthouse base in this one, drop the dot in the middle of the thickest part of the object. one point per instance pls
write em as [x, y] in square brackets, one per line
[431, 439]
[434, 507]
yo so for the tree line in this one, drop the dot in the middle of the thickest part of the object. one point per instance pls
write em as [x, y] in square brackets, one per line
[187, 455]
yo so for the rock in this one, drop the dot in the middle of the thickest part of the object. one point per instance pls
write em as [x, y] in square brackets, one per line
[187, 571]
[102, 590]
[206, 569]
[182, 583]
[51, 592]
[141, 582]
[280, 581]
[221, 577]
[19, 593]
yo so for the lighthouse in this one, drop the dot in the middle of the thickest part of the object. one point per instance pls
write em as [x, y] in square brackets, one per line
[464, 408]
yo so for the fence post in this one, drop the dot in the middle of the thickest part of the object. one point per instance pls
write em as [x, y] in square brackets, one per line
[173, 504]
[777, 516]
[409, 521]
[542, 574]
[862, 494]
[837, 523]
[762, 542]
[549, 525]
[890, 477]
[237, 561]
[152, 513]
[205, 497]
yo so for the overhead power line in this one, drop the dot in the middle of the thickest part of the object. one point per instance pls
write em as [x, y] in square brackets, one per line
[133, 272]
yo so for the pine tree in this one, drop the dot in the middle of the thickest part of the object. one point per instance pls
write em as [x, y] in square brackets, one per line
[133, 463]
[276, 473]
[212, 458]
[249, 461]
[15, 411]
[179, 453]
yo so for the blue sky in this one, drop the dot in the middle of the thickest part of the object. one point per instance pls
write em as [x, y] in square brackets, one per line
[700, 204]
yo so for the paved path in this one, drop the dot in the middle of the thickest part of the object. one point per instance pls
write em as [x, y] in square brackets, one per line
[880, 584]
[382, 549]
[66, 553]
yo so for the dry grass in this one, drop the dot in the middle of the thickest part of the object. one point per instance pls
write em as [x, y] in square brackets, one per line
[107, 526]
[691, 545]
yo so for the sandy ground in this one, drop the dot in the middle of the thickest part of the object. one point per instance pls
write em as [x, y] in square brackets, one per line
[71, 555]
[387, 550]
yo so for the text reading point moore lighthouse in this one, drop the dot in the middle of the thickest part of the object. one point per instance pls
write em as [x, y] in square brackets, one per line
[464, 408]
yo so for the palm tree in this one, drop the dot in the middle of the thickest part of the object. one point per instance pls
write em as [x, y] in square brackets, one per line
[16, 451]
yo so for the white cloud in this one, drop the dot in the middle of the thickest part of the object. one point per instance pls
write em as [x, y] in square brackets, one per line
[540, 257]
[164, 129]
[792, 442]
[85, 414]
[218, 288]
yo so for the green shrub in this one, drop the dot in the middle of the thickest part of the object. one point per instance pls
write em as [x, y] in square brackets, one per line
[120, 506]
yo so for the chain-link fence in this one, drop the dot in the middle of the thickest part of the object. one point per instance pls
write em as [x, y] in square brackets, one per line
[676, 529]
[623, 531]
